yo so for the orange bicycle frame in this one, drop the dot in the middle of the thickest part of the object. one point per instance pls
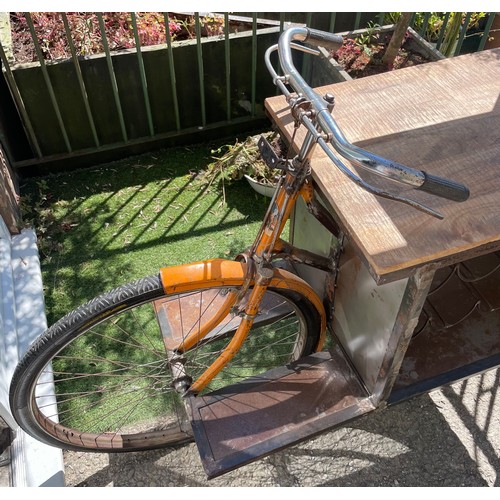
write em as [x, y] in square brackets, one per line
[256, 272]
[226, 273]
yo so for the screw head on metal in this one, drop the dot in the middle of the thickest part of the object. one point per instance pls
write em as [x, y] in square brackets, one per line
[329, 98]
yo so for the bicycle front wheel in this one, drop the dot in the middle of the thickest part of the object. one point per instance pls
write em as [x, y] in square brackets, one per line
[110, 368]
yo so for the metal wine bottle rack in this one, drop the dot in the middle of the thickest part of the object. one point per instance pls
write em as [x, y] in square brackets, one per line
[460, 290]
[457, 332]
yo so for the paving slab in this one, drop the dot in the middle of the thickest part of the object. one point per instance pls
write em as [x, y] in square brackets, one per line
[450, 437]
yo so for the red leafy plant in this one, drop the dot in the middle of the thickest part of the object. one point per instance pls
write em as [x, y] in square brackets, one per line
[86, 33]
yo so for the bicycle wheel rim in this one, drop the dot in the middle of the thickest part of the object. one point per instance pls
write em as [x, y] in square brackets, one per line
[161, 430]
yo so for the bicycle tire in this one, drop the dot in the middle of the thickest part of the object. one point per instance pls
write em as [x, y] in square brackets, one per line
[155, 423]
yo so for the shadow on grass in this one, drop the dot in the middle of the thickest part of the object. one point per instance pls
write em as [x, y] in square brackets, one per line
[102, 227]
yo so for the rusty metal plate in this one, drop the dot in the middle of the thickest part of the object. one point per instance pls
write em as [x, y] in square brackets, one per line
[244, 422]
[187, 313]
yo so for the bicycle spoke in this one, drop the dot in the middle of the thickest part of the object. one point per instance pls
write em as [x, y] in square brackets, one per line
[136, 344]
[114, 379]
[124, 398]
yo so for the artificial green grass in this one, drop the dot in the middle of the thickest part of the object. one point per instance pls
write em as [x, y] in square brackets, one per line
[102, 227]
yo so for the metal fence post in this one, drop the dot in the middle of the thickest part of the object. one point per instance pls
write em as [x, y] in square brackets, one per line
[112, 76]
[227, 56]
[171, 65]
[142, 74]
[200, 69]
[48, 82]
[81, 83]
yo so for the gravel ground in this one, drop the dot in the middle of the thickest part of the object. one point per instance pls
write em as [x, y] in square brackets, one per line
[450, 437]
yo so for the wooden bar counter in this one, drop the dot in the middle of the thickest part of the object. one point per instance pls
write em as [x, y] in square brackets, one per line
[443, 118]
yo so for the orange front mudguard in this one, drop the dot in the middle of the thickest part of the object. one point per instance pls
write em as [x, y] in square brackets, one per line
[219, 272]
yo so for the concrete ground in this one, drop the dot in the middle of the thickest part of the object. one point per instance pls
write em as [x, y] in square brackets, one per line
[450, 437]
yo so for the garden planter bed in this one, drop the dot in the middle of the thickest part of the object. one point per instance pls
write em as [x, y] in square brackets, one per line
[63, 76]
[327, 69]
[118, 26]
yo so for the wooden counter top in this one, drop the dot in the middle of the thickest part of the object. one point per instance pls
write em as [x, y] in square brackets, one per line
[441, 117]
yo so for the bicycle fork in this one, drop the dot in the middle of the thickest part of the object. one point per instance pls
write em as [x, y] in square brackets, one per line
[259, 274]
[263, 278]
[258, 270]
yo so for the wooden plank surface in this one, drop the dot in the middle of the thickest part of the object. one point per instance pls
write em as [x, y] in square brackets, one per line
[10, 211]
[441, 117]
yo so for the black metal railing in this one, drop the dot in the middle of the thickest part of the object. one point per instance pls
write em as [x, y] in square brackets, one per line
[55, 132]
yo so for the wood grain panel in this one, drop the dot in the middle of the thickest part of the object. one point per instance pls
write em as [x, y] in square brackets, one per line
[441, 117]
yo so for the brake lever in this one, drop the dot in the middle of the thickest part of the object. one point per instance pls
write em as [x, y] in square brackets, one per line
[281, 82]
[376, 191]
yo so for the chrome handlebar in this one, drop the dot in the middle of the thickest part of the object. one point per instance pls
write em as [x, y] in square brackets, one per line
[331, 133]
